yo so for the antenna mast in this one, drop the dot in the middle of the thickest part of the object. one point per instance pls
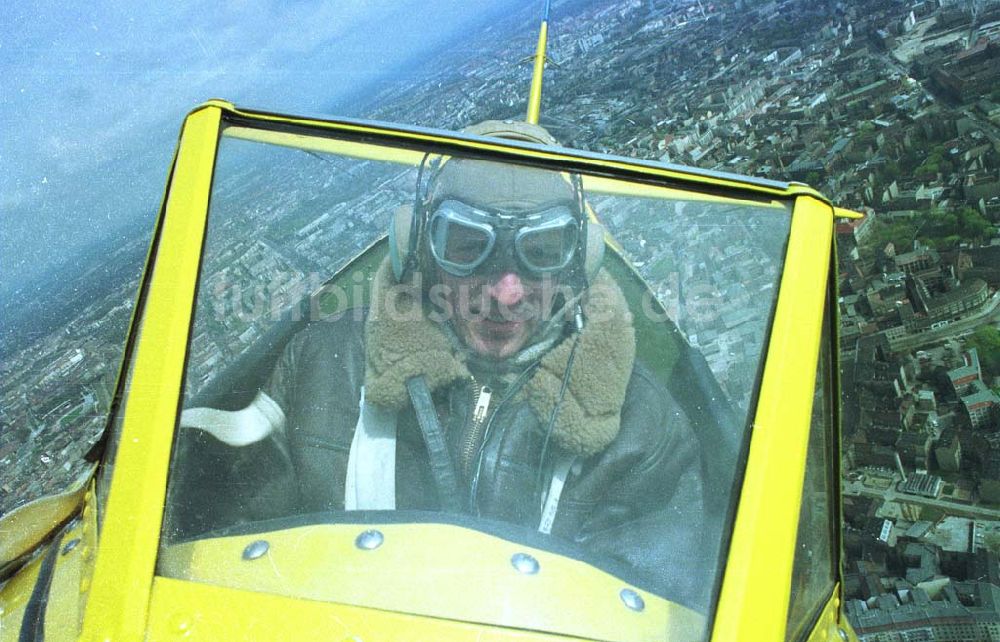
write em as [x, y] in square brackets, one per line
[535, 97]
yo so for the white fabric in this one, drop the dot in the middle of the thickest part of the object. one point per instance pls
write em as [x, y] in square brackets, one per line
[371, 466]
[238, 427]
[559, 475]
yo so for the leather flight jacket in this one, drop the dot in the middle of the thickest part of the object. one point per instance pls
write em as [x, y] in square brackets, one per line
[633, 496]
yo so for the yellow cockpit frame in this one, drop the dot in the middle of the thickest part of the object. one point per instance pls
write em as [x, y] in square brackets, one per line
[126, 600]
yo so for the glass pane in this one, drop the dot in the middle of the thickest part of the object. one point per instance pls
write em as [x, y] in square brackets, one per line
[580, 411]
[714, 267]
[813, 574]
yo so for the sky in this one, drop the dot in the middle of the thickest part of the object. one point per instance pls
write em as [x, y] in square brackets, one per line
[92, 96]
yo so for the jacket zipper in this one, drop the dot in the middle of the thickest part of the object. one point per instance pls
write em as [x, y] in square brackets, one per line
[480, 411]
[508, 394]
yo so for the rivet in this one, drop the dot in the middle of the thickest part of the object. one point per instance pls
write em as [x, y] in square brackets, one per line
[181, 623]
[525, 564]
[255, 549]
[70, 545]
[843, 635]
[632, 599]
[369, 540]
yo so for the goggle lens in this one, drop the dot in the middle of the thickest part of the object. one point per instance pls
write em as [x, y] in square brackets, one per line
[462, 237]
[466, 245]
[547, 249]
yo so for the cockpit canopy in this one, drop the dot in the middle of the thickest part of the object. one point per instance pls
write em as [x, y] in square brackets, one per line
[579, 440]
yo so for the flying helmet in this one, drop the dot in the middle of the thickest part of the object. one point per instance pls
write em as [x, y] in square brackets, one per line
[473, 215]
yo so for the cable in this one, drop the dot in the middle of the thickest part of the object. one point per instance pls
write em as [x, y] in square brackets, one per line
[417, 225]
[578, 323]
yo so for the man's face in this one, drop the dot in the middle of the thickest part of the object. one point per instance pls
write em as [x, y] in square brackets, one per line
[496, 314]
[500, 236]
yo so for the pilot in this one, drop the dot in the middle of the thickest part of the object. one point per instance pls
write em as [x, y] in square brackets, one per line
[494, 376]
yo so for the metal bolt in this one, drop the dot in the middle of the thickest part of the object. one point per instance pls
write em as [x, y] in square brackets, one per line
[632, 599]
[525, 564]
[255, 550]
[369, 540]
[843, 635]
[70, 545]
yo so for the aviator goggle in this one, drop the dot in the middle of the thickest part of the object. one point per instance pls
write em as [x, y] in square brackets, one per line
[463, 237]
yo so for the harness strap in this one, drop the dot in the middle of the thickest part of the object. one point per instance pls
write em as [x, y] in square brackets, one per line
[559, 475]
[371, 465]
[442, 468]
[238, 427]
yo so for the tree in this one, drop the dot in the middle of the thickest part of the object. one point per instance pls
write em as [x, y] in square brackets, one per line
[972, 224]
[900, 233]
[986, 341]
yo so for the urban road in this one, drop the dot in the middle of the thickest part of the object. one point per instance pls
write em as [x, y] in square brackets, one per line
[952, 508]
[989, 314]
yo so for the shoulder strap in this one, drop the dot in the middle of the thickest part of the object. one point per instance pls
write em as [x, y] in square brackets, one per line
[371, 465]
[437, 447]
[551, 501]
[238, 427]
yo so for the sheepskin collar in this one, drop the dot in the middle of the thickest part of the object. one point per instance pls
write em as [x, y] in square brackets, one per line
[406, 343]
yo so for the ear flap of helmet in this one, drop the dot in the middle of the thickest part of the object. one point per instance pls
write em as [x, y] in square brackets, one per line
[402, 238]
[594, 251]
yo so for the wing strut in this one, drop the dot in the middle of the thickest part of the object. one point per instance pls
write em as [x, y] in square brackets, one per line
[535, 97]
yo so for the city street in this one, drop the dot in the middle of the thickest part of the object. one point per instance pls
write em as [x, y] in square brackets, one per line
[891, 495]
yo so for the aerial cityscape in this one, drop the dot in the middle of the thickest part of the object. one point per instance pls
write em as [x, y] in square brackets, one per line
[888, 107]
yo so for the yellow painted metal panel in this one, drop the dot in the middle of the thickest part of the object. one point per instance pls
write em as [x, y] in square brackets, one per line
[591, 184]
[470, 572]
[27, 526]
[753, 603]
[123, 574]
[63, 616]
[350, 149]
[527, 152]
[189, 611]
[14, 597]
[829, 624]
[841, 212]
[69, 584]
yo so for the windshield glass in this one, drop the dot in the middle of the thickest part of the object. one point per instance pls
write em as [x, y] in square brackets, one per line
[501, 363]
